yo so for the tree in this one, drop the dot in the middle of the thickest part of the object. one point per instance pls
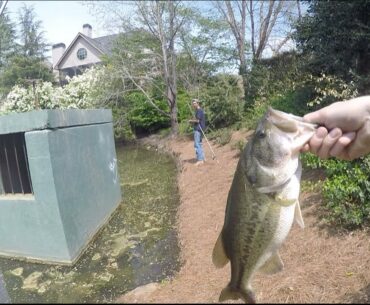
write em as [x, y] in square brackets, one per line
[205, 51]
[7, 38]
[27, 65]
[334, 37]
[159, 23]
[237, 25]
[31, 36]
[24, 71]
[267, 21]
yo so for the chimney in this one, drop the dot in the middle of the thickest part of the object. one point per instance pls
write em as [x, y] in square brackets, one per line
[87, 30]
[57, 52]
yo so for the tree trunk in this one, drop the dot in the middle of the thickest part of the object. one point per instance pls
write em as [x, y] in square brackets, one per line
[244, 74]
[238, 30]
[174, 121]
[169, 64]
[172, 84]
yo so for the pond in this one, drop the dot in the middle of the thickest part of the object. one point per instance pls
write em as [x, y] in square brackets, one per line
[137, 246]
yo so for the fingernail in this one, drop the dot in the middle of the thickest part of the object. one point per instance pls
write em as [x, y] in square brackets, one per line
[321, 133]
[334, 133]
[350, 135]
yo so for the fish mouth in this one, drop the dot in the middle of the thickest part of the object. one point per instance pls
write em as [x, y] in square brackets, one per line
[286, 121]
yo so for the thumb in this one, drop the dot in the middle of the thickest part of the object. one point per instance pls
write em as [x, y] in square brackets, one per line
[314, 117]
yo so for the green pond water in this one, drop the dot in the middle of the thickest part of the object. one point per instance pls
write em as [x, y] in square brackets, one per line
[137, 246]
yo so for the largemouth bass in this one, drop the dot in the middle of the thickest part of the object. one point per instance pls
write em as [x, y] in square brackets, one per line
[262, 202]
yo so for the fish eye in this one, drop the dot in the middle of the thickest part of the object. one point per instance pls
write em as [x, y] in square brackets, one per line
[261, 134]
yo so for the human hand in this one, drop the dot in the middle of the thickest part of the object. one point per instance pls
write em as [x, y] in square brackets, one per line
[345, 133]
[327, 144]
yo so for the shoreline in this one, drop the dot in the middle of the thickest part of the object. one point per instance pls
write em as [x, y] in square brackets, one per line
[195, 256]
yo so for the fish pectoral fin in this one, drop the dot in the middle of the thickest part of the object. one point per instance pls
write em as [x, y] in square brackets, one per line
[283, 201]
[219, 257]
[273, 265]
[298, 215]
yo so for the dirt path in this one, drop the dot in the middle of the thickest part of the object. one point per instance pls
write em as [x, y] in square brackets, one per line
[319, 267]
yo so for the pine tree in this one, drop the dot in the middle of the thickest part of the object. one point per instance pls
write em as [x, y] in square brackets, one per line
[7, 38]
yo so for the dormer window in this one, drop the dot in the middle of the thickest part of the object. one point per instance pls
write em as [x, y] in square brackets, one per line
[81, 53]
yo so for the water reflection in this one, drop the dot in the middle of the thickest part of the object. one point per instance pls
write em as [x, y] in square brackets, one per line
[137, 246]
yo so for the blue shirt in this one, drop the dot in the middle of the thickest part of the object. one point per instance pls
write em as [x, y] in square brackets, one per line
[199, 114]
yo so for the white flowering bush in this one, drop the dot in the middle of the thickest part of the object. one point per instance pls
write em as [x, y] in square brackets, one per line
[92, 89]
[81, 92]
[328, 89]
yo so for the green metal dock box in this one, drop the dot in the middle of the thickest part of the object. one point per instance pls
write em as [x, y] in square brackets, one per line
[59, 182]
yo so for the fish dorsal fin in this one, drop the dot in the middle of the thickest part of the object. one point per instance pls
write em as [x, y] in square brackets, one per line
[219, 257]
[273, 265]
[298, 215]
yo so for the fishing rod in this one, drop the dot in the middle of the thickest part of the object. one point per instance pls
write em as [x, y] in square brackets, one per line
[201, 129]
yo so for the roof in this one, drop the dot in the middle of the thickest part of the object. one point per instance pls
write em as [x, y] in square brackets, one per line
[103, 44]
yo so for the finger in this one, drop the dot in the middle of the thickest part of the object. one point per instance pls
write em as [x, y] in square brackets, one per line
[316, 140]
[328, 143]
[314, 117]
[338, 149]
[305, 148]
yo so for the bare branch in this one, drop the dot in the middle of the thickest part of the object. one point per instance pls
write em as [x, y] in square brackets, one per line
[252, 28]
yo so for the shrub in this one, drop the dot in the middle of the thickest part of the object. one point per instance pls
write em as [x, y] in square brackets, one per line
[222, 101]
[81, 92]
[221, 136]
[143, 117]
[346, 191]
[326, 89]
[185, 128]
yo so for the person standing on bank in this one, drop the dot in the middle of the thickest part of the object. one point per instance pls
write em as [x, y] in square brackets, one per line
[199, 125]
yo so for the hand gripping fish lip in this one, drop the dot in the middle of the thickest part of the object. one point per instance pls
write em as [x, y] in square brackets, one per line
[275, 115]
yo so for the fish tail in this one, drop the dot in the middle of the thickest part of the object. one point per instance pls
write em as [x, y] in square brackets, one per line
[219, 257]
[229, 293]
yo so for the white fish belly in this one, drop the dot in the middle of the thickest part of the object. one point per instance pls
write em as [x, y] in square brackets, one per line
[286, 218]
[285, 223]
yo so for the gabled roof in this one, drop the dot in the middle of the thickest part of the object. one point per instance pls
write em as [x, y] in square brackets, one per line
[102, 44]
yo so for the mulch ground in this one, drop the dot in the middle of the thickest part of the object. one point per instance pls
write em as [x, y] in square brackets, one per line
[321, 266]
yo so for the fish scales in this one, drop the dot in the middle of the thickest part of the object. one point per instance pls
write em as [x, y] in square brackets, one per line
[262, 202]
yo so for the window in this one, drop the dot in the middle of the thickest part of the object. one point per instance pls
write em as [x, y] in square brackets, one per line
[14, 170]
[81, 53]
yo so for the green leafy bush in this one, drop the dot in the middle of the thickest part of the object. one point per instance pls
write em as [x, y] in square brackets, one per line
[222, 101]
[144, 117]
[346, 190]
[185, 128]
[294, 101]
[185, 111]
[221, 136]
[326, 89]
[239, 145]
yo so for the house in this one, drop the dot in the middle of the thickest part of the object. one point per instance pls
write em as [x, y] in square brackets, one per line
[83, 52]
